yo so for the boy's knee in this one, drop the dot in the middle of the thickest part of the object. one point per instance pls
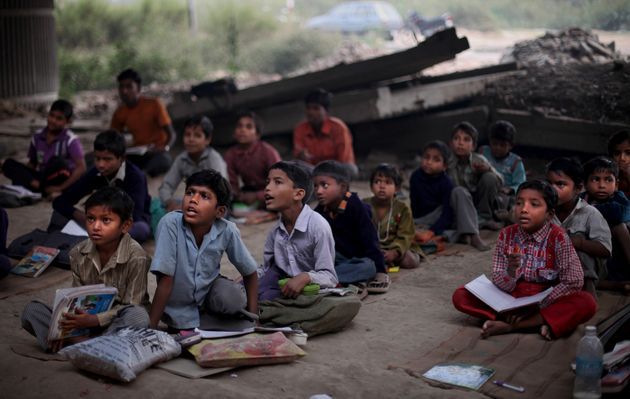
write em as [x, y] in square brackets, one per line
[459, 193]
[134, 316]
[226, 297]
[489, 180]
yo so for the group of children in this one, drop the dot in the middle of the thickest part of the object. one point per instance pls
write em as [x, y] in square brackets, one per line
[344, 240]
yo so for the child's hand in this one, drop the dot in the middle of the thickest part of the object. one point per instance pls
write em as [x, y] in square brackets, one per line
[295, 285]
[514, 262]
[480, 167]
[78, 320]
[390, 256]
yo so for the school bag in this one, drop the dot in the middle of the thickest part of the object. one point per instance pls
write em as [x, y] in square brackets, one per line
[20, 247]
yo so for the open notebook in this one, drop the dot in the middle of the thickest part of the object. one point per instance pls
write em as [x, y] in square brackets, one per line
[499, 300]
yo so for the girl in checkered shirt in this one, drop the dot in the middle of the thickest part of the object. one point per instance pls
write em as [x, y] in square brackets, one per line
[531, 256]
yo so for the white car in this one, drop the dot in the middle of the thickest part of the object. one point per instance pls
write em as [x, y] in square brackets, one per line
[358, 17]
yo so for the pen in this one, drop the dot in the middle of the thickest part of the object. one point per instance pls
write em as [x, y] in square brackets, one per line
[503, 384]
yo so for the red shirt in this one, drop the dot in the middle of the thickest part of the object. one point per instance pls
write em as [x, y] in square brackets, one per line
[145, 121]
[333, 143]
[251, 165]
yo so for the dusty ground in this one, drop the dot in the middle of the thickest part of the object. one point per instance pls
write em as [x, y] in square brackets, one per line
[414, 317]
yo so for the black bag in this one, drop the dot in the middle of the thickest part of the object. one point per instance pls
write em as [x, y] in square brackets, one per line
[20, 247]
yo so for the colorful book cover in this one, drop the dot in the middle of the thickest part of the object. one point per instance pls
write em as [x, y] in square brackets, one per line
[469, 376]
[37, 260]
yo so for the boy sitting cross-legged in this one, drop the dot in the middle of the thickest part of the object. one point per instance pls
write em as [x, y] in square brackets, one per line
[189, 245]
[358, 256]
[531, 256]
[111, 257]
[301, 245]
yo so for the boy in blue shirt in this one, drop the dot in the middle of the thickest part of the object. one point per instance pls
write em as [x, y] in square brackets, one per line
[301, 245]
[358, 256]
[189, 245]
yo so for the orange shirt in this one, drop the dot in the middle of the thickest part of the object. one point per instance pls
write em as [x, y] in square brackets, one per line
[334, 142]
[145, 121]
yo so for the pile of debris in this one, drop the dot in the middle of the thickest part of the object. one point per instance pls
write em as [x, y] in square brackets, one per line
[569, 74]
[569, 46]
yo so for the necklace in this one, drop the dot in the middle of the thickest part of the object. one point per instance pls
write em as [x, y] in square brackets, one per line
[389, 218]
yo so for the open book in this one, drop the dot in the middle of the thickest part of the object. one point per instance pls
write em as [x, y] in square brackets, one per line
[91, 299]
[500, 300]
[36, 261]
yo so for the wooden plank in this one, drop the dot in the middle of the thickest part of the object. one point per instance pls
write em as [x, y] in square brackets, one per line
[440, 47]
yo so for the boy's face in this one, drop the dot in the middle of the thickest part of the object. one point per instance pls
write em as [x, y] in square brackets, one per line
[621, 154]
[531, 210]
[195, 141]
[104, 226]
[383, 187]
[432, 162]
[280, 191]
[500, 148]
[107, 163]
[315, 114]
[328, 190]
[56, 121]
[245, 131]
[601, 185]
[200, 206]
[462, 144]
[565, 187]
[129, 92]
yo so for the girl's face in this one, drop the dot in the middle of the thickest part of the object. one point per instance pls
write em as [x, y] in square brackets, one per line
[531, 210]
[565, 187]
[383, 187]
[245, 131]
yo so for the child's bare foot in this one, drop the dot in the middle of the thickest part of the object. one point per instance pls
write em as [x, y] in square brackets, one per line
[545, 332]
[478, 243]
[495, 327]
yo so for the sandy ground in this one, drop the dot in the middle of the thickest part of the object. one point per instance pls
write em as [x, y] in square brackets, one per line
[414, 317]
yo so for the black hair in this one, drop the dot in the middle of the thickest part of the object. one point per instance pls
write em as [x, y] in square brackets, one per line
[318, 96]
[616, 139]
[258, 124]
[334, 169]
[299, 174]
[550, 195]
[502, 131]
[600, 164]
[112, 141]
[467, 128]
[64, 107]
[441, 147]
[202, 121]
[569, 167]
[213, 180]
[113, 198]
[387, 170]
[130, 74]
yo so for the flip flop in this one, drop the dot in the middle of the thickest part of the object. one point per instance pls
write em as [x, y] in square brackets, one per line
[380, 284]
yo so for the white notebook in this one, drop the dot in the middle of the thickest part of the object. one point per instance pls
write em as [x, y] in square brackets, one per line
[500, 300]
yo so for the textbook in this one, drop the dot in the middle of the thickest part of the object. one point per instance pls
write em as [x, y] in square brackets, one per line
[91, 299]
[36, 261]
[469, 376]
[500, 300]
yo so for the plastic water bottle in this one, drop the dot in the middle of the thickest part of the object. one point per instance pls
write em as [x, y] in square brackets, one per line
[588, 366]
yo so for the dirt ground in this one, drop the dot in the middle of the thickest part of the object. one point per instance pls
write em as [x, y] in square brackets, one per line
[400, 326]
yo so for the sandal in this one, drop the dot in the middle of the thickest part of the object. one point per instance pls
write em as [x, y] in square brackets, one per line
[362, 292]
[379, 285]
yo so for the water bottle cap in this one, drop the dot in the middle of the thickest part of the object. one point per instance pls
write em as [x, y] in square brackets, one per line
[591, 329]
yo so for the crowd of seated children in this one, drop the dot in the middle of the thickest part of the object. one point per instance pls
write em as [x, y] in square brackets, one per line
[392, 219]
[473, 172]
[619, 151]
[110, 169]
[322, 137]
[300, 246]
[600, 175]
[438, 207]
[55, 155]
[585, 226]
[529, 257]
[499, 154]
[148, 122]
[188, 250]
[109, 256]
[358, 258]
[197, 155]
[249, 160]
